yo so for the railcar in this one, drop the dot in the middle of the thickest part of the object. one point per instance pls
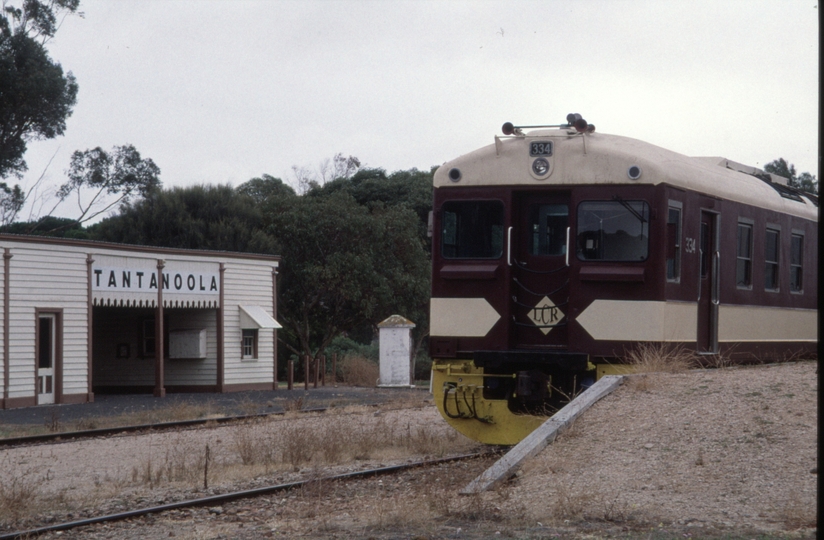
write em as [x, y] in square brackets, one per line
[557, 250]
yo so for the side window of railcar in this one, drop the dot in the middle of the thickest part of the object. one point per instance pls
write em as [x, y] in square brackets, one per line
[771, 254]
[613, 230]
[472, 229]
[743, 265]
[674, 243]
[548, 224]
[796, 262]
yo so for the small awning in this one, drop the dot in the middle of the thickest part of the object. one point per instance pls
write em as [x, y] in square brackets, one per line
[252, 317]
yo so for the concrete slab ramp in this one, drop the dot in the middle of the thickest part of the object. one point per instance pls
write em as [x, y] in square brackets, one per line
[536, 441]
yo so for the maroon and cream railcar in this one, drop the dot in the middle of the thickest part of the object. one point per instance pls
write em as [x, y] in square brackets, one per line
[556, 251]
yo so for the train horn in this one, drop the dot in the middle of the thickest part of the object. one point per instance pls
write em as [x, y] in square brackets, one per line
[574, 120]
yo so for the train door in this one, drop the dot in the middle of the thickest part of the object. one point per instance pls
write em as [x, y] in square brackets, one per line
[540, 272]
[708, 292]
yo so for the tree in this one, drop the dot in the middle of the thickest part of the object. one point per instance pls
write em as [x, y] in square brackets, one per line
[328, 170]
[195, 217]
[338, 167]
[36, 96]
[343, 265]
[410, 189]
[804, 181]
[38, 19]
[95, 174]
[49, 226]
[11, 201]
[265, 188]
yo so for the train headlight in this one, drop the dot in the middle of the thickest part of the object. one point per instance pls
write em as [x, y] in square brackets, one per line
[455, 174]
[634, 172]
[540, 167]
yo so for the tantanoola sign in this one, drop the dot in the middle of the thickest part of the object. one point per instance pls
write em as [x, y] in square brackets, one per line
[107, 279]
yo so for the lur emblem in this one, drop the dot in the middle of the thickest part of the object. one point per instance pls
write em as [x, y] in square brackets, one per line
[545, 315]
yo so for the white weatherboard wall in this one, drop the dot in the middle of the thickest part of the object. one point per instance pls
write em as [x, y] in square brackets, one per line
[47, 277]
[109, 285]
[395, 342]
[247, 283]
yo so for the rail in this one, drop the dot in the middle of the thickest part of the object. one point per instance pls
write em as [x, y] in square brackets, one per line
[232, 496]
[62, 436]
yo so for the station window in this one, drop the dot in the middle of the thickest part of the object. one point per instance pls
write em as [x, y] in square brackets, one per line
[472, 229]
[673, 244]
[743, 265]
[615, 230]
[771, 254]
[796, 262]
[249, 343]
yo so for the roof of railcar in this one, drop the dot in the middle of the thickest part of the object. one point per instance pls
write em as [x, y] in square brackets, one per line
[599, 158]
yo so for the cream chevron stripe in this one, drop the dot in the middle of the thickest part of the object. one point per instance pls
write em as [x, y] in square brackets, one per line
[628, 320]
[461, 317]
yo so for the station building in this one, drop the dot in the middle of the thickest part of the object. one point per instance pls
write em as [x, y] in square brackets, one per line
[79, 317]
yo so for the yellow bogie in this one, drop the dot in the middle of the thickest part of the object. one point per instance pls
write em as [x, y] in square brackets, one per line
[458, 389]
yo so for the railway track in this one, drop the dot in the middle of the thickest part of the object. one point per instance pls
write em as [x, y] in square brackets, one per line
[233, 496]
[162, 426]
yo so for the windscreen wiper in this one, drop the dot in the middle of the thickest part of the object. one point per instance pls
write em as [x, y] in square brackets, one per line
[629, 207]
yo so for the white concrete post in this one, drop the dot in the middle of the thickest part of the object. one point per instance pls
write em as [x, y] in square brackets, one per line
[395, 343]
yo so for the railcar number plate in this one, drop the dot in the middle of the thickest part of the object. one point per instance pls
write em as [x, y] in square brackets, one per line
[540, 148]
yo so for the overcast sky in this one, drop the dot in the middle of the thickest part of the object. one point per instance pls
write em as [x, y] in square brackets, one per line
[223, 91]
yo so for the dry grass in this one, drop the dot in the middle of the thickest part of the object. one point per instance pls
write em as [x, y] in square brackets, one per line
[716, 361]
[294, 405]
[649, 359]
[359, 371]
[415, 503]
[286, 444]
[661, 358]
[248, 448]
[27, 492]
[336, 439]
[249, 406]
[18, 494]
[311, 444]
[175, 462]
[572, 504]
[283, 445]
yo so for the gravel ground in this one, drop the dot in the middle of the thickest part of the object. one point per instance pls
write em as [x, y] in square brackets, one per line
[706, 454]
[715, 449]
